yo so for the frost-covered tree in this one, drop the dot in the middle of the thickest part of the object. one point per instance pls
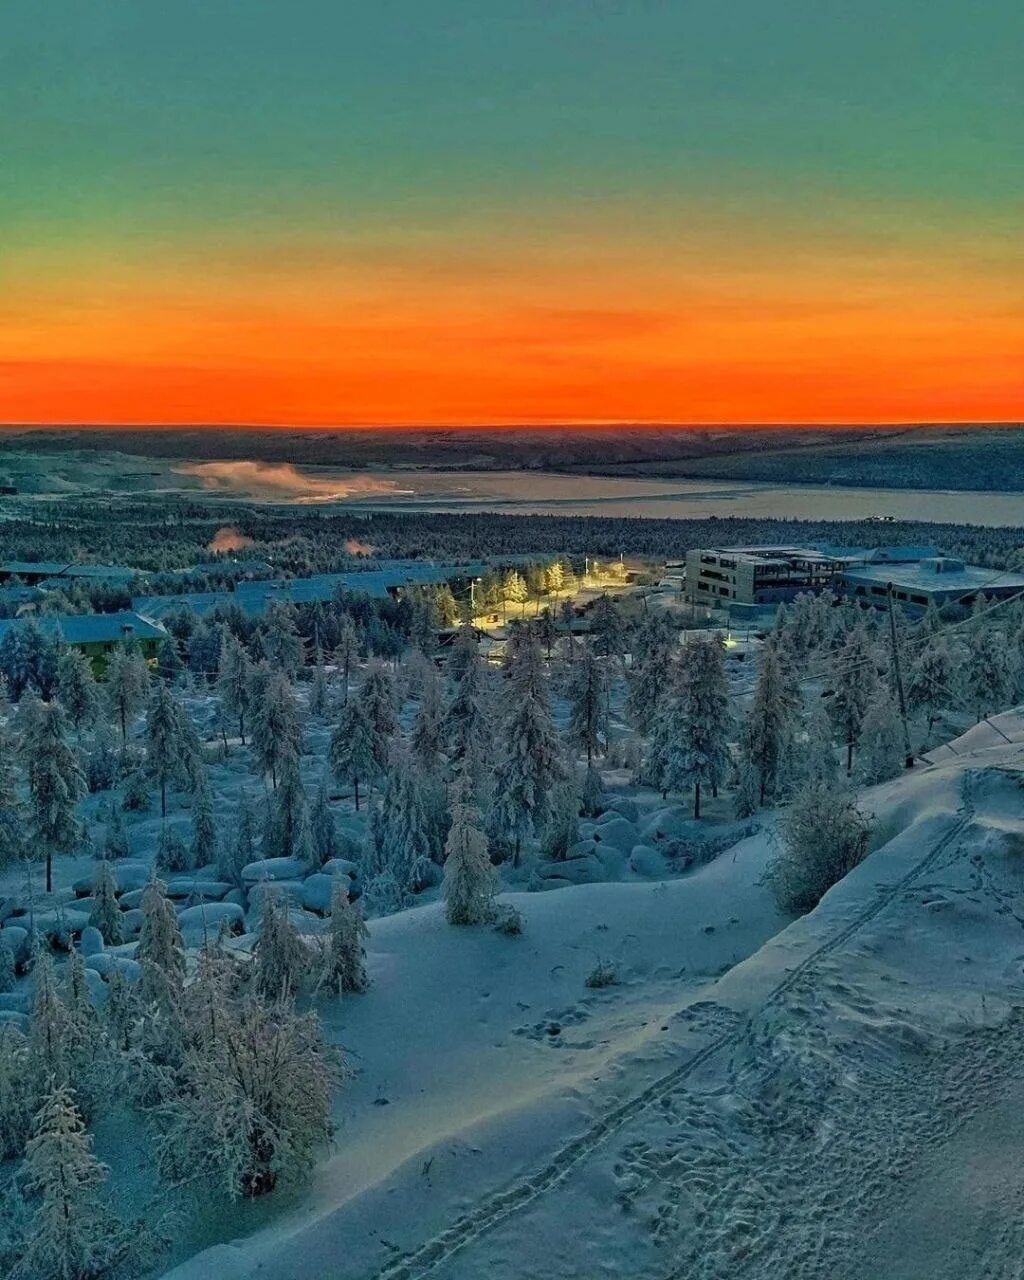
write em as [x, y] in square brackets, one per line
[352, 751]
[172, 853]
[318, 687]
[169, 665]
[168, 744]
[76, 688]
[254, 1104]
[562, 826]
[282, 964]
[689, 746]
[51, 1034]
[18, 1092]
[280, 640]
[344, 953]
[854, 684]
[824, 836]
[464, 730]
[988, 674]
[425, 739]
[127, 683]
[592, 796]
[234, 680]
[346, 653]
[530, 762]
[55, 784]
[817, 757]
[880, 749]
[323, 830]
[236, 855]
[470, 881]
[115, 836]
[378, 699]
[161, 952]
[7, 966]
[401, 844]
[71, 1234]
[12, 817]
[606, 624]
[586, 695]
[205, 840]
[106, 913]
[513, 589]
[276, 730]
[102, 759]
[768, 728]
[288, 833]
[933, 680]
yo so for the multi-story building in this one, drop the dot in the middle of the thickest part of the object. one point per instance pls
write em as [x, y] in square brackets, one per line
[720, 578]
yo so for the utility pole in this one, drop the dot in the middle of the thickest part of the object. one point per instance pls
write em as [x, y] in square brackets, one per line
[908, 752]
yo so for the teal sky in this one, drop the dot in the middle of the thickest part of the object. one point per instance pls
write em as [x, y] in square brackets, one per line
[604, 151]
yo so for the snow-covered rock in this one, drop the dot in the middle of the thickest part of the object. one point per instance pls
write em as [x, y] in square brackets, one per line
[586, 870]
[205, 920]
[340, 867]
[127, 875]
[188, 886]
[316, 892]
[617, 832]
[274, 869]
[105, 964]
[132, 899]
[290, 890]
[18, 1001]
[624, 807]
[131, 923]
[17, 939]
[97, 988]
[12, 1018]
[61, 925]
[647, 862]
[92, 941]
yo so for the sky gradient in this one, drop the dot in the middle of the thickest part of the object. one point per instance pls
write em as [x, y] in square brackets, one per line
[511, 211]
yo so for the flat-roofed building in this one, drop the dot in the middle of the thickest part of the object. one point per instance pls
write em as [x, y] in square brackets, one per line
[96, 634]
[722, 577]
[936, 579]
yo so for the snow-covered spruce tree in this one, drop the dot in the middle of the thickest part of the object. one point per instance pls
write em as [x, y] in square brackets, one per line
[288, 833]
[343, 966]
[102, 759]
[160, 953]
[470, 881]
[71, 1234]
[234, 679]
[378, 699]
[606, 624]
[530, 762]
[933, 682]
[562, 826]
[76, 688]
[51, 1035]
[19, 1096]
[7, 967]
[235, 855]
[122, 1013]
[55, 784]
[747, 799]
[346, 653]
[592, 796]
[426, 736]
[127, 683]
[323, 830]
[401, 833]
[880, 749]
[173, 855]
[854, 683]
[988, 675]
[106, 914]
[352, 751]
[255, 1101]
[12, 816]
[586, 695]
[824, 836]
[647, 681]
[464, 730]
[283, 962]
[115, 836]
[816, 759]
[167, 743]
[169, 665]
[318, 703]
[283, 646]
[769, 725]
[205, 840]
[689, 746]
[276, 731]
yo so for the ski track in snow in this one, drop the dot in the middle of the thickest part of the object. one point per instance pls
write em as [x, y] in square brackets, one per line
[495, 1209]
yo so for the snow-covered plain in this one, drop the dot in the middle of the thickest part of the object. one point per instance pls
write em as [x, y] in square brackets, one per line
[834, 1097]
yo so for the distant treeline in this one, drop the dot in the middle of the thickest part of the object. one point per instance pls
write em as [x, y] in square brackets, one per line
[165, 535]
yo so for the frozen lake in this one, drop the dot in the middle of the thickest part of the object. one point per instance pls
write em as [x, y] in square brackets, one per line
[545, 493]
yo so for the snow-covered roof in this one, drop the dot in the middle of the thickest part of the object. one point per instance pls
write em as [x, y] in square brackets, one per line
[61, 569]
[92, 628]
[936, 575]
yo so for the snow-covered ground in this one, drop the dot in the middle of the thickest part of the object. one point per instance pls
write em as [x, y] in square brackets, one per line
[835, 1097]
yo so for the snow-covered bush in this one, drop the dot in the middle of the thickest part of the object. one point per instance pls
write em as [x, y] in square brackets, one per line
[824, 836]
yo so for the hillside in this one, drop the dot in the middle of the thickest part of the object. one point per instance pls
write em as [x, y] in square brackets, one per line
[813, 1103]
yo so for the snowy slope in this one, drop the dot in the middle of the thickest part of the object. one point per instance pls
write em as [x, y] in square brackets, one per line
[782, 1120]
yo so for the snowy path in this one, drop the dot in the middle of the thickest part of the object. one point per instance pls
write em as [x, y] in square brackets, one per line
[465, 1232]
